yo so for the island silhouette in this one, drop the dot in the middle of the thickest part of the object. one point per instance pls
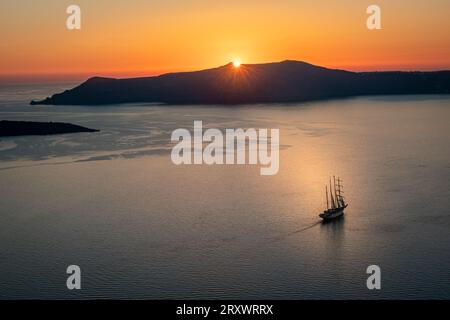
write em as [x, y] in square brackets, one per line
[31, 128]
[286, 81]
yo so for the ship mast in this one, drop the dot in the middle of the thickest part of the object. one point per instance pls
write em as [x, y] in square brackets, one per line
[333, 203]
[340, 196]
[326, 194]
[335, 193]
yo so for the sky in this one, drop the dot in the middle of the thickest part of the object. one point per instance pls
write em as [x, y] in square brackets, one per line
[126, 38]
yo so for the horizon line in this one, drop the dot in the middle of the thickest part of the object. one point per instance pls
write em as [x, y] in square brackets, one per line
[67, 76]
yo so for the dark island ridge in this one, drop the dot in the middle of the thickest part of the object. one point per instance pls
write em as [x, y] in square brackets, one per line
[287, 81]
[26, 128]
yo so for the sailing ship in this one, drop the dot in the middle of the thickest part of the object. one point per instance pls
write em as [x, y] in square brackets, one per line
[335, 201]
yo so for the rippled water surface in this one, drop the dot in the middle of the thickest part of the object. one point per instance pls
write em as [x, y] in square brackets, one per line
[113, 203]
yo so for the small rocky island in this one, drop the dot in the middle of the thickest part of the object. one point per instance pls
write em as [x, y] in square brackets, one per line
[27, 128]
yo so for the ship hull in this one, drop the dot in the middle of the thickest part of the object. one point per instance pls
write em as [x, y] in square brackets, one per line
[332, 214]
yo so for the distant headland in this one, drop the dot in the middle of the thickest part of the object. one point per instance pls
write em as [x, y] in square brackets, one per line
[28, 128]
[286, 81]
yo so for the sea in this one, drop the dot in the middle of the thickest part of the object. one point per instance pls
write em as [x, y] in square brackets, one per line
[140, 227]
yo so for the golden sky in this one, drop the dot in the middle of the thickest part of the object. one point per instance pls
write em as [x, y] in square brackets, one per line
[141, 37]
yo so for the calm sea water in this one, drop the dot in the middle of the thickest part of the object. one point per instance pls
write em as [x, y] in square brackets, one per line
[140, 227]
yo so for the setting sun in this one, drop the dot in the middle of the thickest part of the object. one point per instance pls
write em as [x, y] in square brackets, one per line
[236, 63]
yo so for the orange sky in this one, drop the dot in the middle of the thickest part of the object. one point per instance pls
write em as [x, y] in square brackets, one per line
[138, 37]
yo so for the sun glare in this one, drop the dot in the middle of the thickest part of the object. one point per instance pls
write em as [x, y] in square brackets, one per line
[236, 63]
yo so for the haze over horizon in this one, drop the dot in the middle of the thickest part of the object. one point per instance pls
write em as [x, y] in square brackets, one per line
[137, 38]
[76, 77]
